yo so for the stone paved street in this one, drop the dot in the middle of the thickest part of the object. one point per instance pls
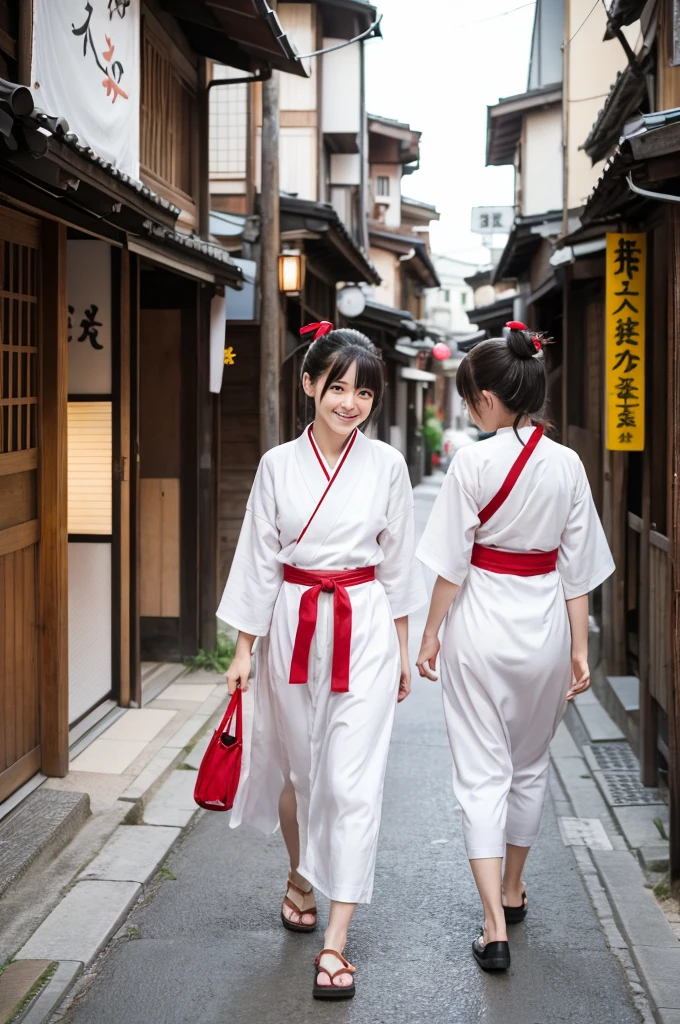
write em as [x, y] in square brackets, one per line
[209, 948]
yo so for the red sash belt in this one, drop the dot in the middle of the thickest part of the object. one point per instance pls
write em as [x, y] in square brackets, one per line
[331, 582]
[514, 563]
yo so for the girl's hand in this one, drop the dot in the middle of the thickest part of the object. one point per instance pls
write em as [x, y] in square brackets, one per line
[581, 681]
[405, 679]
[427, 659]
[239, 672]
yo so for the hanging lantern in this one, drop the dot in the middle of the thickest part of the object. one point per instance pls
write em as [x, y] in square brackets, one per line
[291, 271]
[441, 351]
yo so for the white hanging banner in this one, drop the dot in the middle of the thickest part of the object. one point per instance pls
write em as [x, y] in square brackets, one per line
[86, 60]
[218, 324]
[89, 318]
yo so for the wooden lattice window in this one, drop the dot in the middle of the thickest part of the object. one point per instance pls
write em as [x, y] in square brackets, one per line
[168, 120]
[18, 347]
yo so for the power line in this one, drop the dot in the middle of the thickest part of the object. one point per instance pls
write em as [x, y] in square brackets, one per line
[494, 17]
[584, 21]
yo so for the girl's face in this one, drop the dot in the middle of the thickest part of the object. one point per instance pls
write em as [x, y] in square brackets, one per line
[344, 406]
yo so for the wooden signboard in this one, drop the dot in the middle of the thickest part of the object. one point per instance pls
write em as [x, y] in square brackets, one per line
[625, 341]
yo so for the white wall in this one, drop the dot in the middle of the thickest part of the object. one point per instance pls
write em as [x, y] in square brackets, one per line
[341, 88]
[345, 169]
[297, 166]
[542, 161]
[387, 265]
[593, 67]
[299, 22]
[89, 626]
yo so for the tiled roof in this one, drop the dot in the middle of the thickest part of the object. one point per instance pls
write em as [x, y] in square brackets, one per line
[193, 244]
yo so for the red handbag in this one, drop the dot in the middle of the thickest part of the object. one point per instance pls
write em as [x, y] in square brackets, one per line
[220, 770]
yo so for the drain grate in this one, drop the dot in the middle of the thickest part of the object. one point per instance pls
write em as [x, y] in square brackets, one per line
[626, 789]
[615, 757]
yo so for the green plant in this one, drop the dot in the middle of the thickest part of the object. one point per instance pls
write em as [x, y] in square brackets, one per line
[433, 434]
[219, 660]
[660, 827]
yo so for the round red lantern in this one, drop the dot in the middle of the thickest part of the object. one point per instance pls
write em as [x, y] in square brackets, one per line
[441, 351]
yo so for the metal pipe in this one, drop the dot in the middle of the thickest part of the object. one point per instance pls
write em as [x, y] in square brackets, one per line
[664, 197]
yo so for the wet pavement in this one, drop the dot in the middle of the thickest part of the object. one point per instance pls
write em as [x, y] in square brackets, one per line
[208, 947]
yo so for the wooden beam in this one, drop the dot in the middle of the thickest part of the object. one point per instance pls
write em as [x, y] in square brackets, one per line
[25, 42]
[270, 316]
[674, 674]
[121, 476]
[134, 490]
[53, 552]
[648, 706]
[207, 482]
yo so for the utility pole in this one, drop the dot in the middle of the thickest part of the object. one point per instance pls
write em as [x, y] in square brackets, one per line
[270, 316]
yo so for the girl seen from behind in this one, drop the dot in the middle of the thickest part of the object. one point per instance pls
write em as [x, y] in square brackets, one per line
[517, 546]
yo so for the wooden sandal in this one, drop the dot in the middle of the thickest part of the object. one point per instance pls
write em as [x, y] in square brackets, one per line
[333, 991]
[297, 926]
[514, 915]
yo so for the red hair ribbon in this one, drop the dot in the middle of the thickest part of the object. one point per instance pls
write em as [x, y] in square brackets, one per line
[516, 325]
[325, 327]
[537, 343]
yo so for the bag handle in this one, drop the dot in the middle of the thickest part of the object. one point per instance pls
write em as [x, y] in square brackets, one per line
[512, 477]
[234, 708]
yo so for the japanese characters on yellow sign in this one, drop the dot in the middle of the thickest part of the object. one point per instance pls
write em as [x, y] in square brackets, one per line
[625, 341]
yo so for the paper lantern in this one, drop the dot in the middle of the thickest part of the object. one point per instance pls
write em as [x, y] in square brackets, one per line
[291, 271]
[441, 351]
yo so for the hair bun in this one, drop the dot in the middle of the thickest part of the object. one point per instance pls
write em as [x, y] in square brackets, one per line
[521, 343]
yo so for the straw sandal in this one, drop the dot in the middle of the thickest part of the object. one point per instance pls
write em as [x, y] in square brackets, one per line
[333, 991]
[297, 926]
[514, 915]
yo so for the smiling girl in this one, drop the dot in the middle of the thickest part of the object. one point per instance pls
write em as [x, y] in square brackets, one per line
[324, 573]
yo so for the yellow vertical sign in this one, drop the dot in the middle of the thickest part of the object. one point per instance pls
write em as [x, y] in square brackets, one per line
[625, 341]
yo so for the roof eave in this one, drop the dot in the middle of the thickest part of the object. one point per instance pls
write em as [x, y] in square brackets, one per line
[509, 112]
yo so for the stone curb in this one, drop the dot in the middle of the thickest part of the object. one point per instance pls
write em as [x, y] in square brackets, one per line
[100, 900]
[651, 944]
[59, 985]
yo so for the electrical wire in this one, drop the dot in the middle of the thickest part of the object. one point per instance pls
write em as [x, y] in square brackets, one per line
[494, 17]
[584, 21]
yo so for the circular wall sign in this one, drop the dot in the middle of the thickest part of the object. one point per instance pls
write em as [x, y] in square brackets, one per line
[351, 301]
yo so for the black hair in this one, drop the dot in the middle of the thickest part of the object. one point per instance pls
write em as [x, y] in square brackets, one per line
[512, 368]
[334, 354]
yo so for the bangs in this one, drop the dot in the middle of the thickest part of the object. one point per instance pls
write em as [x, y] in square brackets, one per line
[369, 372]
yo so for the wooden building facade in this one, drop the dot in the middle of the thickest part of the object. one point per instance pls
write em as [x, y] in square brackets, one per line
[109, 432]
[636, 491]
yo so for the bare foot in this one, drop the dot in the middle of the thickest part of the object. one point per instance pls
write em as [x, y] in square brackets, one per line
[329, 964]
[301, 894]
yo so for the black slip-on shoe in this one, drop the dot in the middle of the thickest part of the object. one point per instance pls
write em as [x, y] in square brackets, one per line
[514, 915]
[495, 956]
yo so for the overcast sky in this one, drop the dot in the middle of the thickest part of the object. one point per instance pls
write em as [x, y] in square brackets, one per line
[438, 66]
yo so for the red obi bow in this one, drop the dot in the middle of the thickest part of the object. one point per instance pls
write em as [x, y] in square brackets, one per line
[325, 327]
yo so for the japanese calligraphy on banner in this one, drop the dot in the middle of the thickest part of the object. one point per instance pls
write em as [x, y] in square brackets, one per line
[625, 341]
[89, 318]
[86, 68]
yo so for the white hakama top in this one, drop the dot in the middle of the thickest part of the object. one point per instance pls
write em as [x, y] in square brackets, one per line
[333, 746]
[506, 642]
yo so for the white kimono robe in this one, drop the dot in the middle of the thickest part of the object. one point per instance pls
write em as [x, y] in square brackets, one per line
[506, 643]
[333, 746]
